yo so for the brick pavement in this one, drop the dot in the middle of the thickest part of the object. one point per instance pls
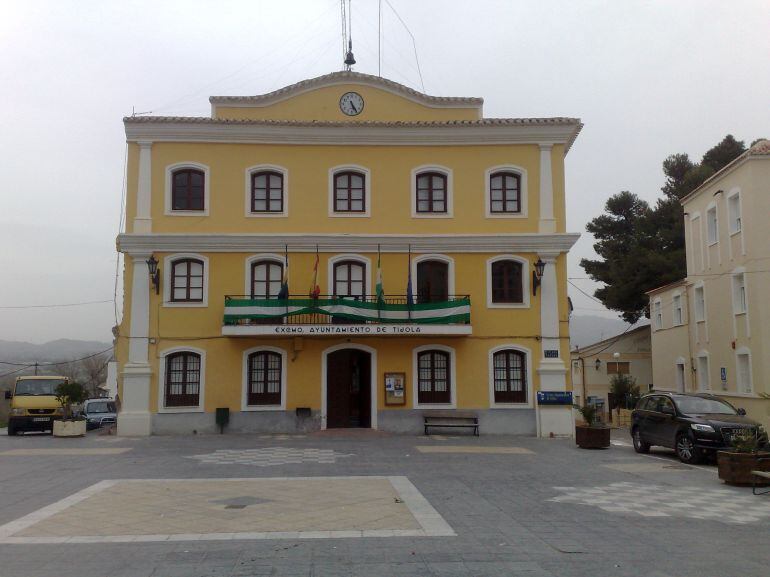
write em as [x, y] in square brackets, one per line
[500, 505]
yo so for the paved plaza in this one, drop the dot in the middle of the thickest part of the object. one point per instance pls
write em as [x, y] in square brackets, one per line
[350, 504]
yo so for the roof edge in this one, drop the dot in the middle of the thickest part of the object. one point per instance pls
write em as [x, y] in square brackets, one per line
[679, 282]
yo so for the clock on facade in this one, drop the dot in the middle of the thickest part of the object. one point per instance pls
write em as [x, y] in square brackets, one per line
[351, 103]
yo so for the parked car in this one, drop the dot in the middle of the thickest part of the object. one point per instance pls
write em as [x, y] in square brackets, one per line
[694, 425]
[99, 412]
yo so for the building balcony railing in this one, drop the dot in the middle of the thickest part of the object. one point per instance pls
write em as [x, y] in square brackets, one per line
[392, 314]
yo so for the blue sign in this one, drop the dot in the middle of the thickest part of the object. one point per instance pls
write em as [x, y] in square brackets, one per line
[554, 398]
[551, 353]
[723, 374]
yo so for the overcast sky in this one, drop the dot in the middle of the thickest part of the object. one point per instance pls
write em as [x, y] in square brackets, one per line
[647, 78]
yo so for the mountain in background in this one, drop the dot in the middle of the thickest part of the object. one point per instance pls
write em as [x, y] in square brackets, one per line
[52, 351]
[586, 330]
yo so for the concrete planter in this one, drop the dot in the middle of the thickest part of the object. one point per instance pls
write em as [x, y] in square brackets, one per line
[592, 437]
[736, 468]
[69, 428]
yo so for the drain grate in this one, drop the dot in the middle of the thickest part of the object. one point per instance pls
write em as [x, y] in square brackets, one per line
[240, 502]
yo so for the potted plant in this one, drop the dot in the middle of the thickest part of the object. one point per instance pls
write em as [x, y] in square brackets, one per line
[68, 394]
[592, 434]
[735, 465]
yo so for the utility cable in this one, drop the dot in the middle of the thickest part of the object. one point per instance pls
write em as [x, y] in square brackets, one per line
[21, 307]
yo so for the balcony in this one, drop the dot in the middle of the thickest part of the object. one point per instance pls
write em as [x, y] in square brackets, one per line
[329, 315]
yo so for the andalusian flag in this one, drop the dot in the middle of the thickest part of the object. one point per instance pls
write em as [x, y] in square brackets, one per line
[315, 290]
[378, 289]
[284, 292]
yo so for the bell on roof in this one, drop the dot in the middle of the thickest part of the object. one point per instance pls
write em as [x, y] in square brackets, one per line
[349, 58]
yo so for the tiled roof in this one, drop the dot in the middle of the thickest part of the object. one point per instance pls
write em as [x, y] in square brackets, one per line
[761, 148]
[347, 124]
[342, 77]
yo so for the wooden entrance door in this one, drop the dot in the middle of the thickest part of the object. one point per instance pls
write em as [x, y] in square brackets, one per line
[348, 389]
[432, 281]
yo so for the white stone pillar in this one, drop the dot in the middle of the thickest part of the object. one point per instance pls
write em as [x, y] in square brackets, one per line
[134, 418]
[143, 218]
[547, 223]
[556, 420]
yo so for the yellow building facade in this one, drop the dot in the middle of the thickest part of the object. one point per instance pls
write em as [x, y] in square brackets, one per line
[344, 252]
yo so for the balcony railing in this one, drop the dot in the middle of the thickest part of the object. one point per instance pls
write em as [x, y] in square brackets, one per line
[330, 309]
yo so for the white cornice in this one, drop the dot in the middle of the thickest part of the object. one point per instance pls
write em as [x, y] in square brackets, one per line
[352, 134]
[367, 243]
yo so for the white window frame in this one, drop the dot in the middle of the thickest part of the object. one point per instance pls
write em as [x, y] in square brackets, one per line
[264, 167]
[525, 280]
[734, 212]
[704, 377]
[245, 379]
[657, 314]
[166, 272]
[439, 257]
[522, 172]
[349, 256]
[741, 387]
[700, 313]
[674, 309]
[491, 377]
[736, 274]
[447, 172]
[206, 189]
[162, 381]
[680, 387]
[367, 191]
[272, 257]
[452, 376]
[712, 210]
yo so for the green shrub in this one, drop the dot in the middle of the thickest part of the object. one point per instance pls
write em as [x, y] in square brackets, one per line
[68, 394]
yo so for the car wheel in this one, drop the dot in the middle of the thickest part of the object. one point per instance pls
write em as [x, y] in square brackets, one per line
[640, 446]
[11, 429]
[686, 450]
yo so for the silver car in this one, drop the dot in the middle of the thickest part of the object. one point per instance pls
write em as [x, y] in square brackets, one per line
[99, 412]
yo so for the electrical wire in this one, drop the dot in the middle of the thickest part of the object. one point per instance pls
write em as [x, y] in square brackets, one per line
[414, 42]
[121, 228]
[22, 307]
[16, 371]
[57, 362]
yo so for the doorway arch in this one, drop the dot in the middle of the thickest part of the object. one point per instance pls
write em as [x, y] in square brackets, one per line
[372, 380]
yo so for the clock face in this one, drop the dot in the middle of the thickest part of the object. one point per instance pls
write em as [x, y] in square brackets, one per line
[351, 103]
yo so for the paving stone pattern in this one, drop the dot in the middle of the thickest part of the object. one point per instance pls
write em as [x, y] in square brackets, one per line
[270, 456]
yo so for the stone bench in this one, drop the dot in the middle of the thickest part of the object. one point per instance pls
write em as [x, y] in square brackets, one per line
[462, 419]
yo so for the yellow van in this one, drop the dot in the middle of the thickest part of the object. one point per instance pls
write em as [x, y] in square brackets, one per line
[33, 403]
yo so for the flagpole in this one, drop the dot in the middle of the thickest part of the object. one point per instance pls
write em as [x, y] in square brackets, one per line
[409, 296]
[378, 288]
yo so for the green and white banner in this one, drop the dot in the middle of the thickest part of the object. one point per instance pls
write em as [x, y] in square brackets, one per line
[445, 312]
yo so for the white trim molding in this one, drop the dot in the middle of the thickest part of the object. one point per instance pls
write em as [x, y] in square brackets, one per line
[162, 381]
[267, 167]
[368, 289]
[680, 387]
[731, 229]
[367, 191]
[741, 387]
[143, 218]
[681, 320]
[245, 379]
[439, 257]
[372, 379]
[704, 382]
[272, 257]
[528, 360]
[167, 269]
[525, 290]
[447, 172]
[657, 319]
[168, 211]
[523, 191]
[452, 378]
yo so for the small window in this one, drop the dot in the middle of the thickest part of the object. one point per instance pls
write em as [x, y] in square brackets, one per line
[703, 373]
[433, 379]
[700, 304]
[504, 193]
[618, 368]
[507, 282]
[187, 189]
[183, 378]
[743, 361]
[739, 293]
[677, 310]
[510, 376]
[711, 220]
[657, 315]
[431, 193]
[264, 383]
[187, 280]
[349, 192]
[734, 213]
[267, 191]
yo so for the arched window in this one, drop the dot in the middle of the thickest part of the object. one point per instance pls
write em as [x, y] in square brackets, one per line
[349, 191]
[187, 189]
[350, 279]
[509, 373]
[434, 377]
[431, 192]
[264, 378]
[432, 281]
[504, 192]
[266, 276]
[267, 191]
[507, 285]
[182, 379]
[186, 280]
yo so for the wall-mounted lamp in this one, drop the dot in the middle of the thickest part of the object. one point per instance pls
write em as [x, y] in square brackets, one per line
[598, 364]
[537, 275]
[720, 191]
[152, 264]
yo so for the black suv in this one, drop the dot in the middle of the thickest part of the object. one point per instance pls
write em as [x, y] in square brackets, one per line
[691, 424]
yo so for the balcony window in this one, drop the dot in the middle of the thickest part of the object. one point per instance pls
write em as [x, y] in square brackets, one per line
[187, 281]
